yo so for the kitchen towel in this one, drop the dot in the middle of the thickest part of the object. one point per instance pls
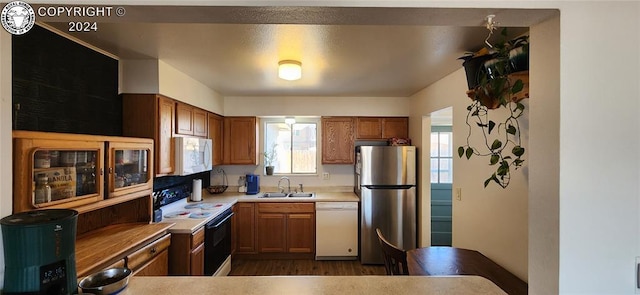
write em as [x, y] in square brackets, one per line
[196, 192]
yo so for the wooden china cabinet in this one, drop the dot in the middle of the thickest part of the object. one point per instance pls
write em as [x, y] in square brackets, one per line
[108, 180]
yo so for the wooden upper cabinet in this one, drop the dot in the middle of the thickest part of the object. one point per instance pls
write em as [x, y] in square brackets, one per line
[159, 127]
[240, 141]
[184, 119]
[191, 120]
[338, 140]
[200, 126]
[369, 128]
[216, 130]
[395, 127]
[382, 128]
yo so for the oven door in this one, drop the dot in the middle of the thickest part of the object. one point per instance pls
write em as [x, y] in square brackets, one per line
[217, 242]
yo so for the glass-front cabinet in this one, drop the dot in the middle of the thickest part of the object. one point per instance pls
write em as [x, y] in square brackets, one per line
[63, 175]
[129, 168]
[54, 170]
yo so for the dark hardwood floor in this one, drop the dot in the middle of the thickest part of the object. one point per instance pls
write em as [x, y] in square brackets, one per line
[301, 267]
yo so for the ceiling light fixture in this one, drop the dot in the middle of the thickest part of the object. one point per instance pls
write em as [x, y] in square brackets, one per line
[290, 120]
[290, 70]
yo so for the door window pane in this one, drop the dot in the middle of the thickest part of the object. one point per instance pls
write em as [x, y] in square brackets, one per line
[441, 155]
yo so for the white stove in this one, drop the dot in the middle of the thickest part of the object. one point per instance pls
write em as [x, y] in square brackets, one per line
[182, 209]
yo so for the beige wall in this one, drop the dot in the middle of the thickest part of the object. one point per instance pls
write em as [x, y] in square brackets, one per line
[491, 220]
[177, 85]
[6, 162]
[544, 162]
[156, 76]
[315, 106]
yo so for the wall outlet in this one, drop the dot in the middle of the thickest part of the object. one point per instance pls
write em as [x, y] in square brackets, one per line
[325, 175]
[459, 193]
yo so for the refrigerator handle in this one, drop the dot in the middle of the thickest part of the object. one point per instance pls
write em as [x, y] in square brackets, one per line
[407, 186]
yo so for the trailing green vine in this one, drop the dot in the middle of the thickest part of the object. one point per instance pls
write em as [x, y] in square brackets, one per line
[497, 88]
[505, 134]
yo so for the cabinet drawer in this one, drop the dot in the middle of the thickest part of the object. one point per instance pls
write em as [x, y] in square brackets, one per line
[285, 207]
[140, 257]
[197, 238]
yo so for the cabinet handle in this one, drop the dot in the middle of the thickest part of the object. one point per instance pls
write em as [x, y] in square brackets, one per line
[153, 250]
[110, 170]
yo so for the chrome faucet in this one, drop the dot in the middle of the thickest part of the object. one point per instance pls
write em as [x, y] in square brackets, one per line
[301, 189]
[281, 188]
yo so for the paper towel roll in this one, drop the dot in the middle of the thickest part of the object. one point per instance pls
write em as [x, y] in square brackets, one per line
[196, 192]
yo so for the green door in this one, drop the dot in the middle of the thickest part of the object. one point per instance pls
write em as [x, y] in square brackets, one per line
[441, 179]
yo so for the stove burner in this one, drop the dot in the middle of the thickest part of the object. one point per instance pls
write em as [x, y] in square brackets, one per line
[198, 215]
[179, 214]
[204, 206]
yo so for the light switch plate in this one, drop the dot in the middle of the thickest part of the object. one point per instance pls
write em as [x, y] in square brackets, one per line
[325, 175]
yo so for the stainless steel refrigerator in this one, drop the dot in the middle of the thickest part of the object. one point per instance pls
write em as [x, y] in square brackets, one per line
[386, 184]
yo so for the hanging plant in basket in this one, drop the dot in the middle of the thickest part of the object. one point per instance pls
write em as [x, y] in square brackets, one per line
[502, 82]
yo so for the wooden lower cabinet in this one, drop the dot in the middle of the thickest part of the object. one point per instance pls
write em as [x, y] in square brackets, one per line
[186, 254]
[152, 259]
[301, 233]
[197, 261]
[245, 229]
[286, 227]
[158, 266]
[272, 236]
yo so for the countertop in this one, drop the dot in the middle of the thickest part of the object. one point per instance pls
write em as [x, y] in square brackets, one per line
[96, 249]
[265, 285]
[227, 199]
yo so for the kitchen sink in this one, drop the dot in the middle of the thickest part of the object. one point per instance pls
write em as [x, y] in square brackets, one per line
[290, 195]
[301, 195]
[274, 195]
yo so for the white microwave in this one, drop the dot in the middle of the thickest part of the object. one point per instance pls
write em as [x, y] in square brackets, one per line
[193, 155]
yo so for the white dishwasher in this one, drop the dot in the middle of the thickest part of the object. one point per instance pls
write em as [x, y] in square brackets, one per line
[336, 230]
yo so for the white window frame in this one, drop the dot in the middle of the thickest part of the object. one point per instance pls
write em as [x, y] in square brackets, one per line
[280, 119]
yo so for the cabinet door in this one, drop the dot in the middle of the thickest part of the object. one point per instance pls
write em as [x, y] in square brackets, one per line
[272, 237]
[395, 127]
[163, 141]
[158, 266]
[240, 141]
[200, 126]
[301, 233]
[197, 261]
[130, 168]
[184, 119]
[152, 259]
[337, 140]
[246, 228]
[369, 128]
[215, 134]
[53, 172]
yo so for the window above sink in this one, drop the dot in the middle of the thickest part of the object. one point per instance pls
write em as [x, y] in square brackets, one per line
[295, 145]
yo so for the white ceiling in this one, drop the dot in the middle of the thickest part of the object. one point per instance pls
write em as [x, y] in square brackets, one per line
[344, 51]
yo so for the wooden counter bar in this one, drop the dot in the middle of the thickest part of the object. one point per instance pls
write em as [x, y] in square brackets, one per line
[103, 247]
[444, 261]
[310, 285]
